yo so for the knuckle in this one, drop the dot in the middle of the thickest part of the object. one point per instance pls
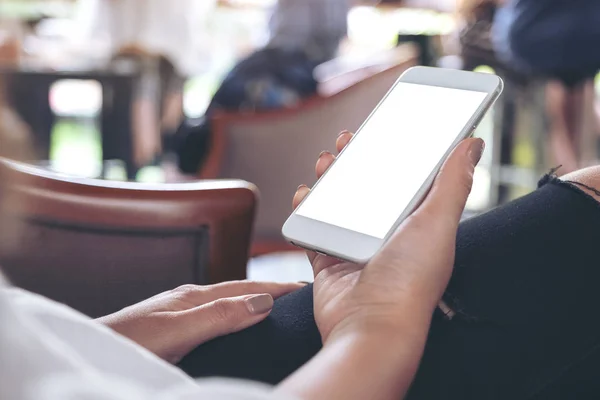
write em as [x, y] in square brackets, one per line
[224, 285]
[420, 219]
[189, 293]
[466, 182]
[428, 219]
[186, 289]
[224, 310]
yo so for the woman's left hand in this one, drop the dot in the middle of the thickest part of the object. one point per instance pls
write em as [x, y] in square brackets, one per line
[173, 323]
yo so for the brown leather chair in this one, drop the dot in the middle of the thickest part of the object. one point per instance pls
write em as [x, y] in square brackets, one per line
[99, 246]
[277, 150]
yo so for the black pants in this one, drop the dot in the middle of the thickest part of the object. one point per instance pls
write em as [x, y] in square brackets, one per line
[526, 288]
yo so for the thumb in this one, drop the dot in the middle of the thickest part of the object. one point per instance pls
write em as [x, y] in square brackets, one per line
[452, 186]
[227, 315]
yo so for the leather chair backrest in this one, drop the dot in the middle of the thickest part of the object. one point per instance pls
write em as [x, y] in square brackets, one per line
[99, 246]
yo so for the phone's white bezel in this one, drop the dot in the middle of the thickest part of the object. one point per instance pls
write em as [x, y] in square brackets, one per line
[358, 247]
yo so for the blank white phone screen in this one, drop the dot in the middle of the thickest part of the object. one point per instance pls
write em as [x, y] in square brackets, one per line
[390, 158]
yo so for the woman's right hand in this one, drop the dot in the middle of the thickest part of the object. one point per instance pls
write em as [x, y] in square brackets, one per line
[398, 290]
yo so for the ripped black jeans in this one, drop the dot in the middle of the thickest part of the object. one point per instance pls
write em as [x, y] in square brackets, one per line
[526, 288]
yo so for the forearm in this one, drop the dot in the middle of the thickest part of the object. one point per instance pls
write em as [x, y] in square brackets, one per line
[361, 366]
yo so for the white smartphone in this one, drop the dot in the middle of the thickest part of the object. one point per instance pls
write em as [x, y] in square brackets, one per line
[388, 167]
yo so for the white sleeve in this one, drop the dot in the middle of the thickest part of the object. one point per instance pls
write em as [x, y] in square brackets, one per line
[50, 352]
[68, 388]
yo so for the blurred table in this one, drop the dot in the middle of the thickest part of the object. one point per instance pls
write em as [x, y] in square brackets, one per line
[28, 87]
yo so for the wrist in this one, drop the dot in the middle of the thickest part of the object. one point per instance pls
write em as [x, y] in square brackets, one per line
[376, 363]
[407, 327]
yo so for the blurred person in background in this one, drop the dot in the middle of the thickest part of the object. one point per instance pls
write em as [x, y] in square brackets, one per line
[11, 123]
[24, 109]
[558, 40]
[164, 40]
[303, 34]
[477, 47]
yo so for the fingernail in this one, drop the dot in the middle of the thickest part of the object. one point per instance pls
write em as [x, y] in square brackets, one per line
[259, 304]
[323, 153]
[476, 151]
[343, 133]
[304, 283]
[301, 187]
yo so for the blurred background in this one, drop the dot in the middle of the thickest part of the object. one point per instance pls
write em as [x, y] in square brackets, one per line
[161, 92]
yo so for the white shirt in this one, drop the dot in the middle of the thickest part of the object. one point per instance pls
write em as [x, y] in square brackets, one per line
[51, 352]
[175, 29]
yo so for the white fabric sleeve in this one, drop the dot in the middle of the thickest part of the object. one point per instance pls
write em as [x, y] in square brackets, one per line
[51, 352]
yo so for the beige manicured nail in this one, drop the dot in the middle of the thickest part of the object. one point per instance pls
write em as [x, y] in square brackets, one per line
[259, 304]
[476, 151]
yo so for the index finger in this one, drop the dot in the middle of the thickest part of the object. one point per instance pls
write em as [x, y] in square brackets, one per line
[205, 294]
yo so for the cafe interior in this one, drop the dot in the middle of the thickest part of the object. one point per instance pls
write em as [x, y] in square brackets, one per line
[143, 175]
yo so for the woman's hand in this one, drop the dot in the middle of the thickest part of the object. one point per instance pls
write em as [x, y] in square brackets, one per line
[398, 290]
[374, 319]
[173, 323]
